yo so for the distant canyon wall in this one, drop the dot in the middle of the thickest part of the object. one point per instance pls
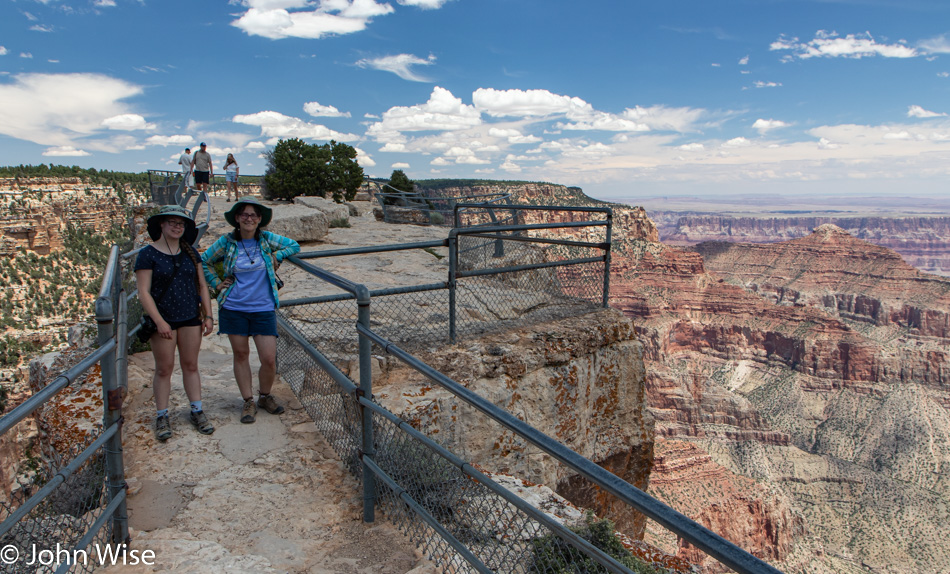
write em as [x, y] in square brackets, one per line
[924, 242]
[35, 211]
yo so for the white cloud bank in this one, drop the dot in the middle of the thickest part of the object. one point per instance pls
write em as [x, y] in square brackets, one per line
[309, 19]
[831, 45]
[277, 125]
[34, 109]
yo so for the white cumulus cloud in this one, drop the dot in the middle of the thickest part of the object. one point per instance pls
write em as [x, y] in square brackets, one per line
[278, 19]
[442, 112]
[176, 140]
[277, 125]
[127, 122]
[317, 110]
[65, 151]
[919, 112]
[400, 64]
[35, 110]
[766, 125]
[529, 103]
[737, 142]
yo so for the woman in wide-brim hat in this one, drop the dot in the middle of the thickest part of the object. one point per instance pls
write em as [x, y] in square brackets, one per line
[175, 296]
[247, 297]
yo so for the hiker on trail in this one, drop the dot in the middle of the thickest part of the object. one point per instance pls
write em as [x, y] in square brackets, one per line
[231, 172]
[175, 298]
[187, 163]
[247, 297]
[204, 170]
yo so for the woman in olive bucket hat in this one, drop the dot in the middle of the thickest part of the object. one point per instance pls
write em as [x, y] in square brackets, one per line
[175, 299]
[247, 297]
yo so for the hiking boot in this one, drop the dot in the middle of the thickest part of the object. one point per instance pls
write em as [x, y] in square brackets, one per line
[269, 404]
[163, 428]
[201, 422]
[248, 412]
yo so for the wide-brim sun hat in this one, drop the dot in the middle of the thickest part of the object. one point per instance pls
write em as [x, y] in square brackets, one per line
[154, 224]
[231, 215]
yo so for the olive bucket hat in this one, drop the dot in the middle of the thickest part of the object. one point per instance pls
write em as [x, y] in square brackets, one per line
[154, 225]
[231, 215]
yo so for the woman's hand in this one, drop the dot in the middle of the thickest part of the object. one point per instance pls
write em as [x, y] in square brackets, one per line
[222, 286]
[164, 330]
[208, 324]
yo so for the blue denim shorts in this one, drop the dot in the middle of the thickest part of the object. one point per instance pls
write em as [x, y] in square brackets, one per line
[247, 324]
[231, 177]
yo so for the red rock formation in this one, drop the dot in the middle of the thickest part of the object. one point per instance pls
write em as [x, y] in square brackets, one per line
[843, 275]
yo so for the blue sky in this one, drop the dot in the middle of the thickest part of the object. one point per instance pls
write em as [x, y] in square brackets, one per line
[625, 99]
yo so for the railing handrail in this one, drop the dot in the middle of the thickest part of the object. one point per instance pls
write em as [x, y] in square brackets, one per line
[703, 538]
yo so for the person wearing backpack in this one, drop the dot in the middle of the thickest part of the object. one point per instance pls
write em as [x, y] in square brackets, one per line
[177, 307]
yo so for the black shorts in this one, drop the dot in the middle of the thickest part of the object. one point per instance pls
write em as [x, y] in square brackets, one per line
[202, 177]
[193, 322]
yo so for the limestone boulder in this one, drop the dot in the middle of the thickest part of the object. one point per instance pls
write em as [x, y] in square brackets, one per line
[300, 223]
[333, 210]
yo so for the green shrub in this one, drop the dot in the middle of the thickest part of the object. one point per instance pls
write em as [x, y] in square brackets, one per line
[339, 222]
[552, 554]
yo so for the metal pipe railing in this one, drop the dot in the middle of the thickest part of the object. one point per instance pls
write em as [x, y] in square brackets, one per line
[700, 536]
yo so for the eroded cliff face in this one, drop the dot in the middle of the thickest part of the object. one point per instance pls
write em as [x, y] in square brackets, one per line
[841, 275]
[38, 209]
[924, 242]
[812, 435]
[579, 380]
[840, 419]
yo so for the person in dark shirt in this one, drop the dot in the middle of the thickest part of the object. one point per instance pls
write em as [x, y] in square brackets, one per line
[174, 294]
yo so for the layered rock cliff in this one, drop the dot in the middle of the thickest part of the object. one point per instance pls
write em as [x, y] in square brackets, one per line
[39, 209]
[579, 380]
[843, 420]
[924, 242]
[811, 435]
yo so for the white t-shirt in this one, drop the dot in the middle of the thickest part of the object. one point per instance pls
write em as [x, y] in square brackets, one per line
[185, 162]
[231, 168]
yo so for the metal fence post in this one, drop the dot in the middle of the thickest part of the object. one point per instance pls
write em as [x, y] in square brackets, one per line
[112, 404]
[610, 218]
[366, 390]
[453, 268]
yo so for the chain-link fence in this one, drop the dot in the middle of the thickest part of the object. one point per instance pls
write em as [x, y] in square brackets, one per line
[67, 509]
[462, 519]
[433, 208]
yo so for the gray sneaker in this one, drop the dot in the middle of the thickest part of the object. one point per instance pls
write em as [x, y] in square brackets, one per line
[269, 404]
[248, 412]
[163, 428]
[201, 422]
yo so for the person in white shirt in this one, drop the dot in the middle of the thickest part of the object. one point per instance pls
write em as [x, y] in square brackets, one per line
[186, 164]
[231, 172]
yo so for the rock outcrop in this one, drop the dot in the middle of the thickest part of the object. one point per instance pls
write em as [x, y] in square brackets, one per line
[578, 380]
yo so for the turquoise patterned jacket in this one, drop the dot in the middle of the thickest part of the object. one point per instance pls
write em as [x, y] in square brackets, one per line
[226, 249]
